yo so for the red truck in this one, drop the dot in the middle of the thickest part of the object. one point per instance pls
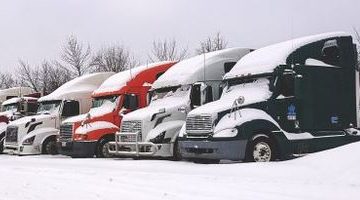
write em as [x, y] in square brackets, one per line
[89, 134]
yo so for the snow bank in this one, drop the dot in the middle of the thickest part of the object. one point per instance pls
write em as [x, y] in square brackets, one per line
[265, 59]
[78, 87]
[119, 80]
[192, 70]
[331, 174]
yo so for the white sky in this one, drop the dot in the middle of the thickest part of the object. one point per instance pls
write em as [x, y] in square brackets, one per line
[34, 30]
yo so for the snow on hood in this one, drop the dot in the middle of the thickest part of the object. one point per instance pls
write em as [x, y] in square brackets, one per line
[119, 80]
[105, 108]
[170, 104]
[17, 99]
[95, 126]
[78, 87]
[265, 59]
[252, 92]
[192, 70]
[39, 117]
[7, 113]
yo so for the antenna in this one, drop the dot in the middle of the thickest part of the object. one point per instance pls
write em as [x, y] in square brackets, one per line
[204, 67]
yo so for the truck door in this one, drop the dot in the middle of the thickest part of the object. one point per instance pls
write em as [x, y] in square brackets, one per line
[321, 99]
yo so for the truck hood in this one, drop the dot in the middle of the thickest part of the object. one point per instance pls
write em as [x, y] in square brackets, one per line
[7, 113]
[254, 92]
[38, 118]
[104, 109]
[170, 104]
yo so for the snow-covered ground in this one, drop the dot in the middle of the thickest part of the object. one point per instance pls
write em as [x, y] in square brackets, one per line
[332, 174]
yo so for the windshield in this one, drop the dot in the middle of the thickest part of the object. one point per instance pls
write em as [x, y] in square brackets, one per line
[244, 82]
[10, 107]
[99, 101]
[170, 92]
[48, 107]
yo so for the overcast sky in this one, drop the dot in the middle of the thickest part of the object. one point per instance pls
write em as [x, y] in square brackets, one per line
[34, 30]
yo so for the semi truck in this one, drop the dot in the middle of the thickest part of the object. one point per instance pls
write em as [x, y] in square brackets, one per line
[280, 101]
[88, 134]
[152, 131]
[37, 134]
[15, 103]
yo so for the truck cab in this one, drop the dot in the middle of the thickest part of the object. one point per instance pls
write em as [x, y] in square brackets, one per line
[88, 134]
[37, 134]
[280, 101]
[16, 102]
[152, 131]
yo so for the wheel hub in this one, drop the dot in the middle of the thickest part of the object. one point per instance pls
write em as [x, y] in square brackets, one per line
[262, 152]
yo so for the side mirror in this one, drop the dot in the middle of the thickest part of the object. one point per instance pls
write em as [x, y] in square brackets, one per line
[71, 108]
[195, 95]
[131, 102]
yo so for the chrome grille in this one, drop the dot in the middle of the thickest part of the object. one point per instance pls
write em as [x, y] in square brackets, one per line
[199, 124]
[132, 127]
[66, 132]
[11, 134]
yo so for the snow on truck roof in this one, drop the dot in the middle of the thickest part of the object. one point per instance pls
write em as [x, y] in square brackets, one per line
[15, 91]
[192, 70]
[119, 80]
[18, 99]
[266, 59]
[79, 87]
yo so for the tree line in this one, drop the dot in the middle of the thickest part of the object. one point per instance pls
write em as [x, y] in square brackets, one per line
[77, 58]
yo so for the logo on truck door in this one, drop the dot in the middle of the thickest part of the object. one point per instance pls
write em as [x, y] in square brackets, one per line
[291, 114]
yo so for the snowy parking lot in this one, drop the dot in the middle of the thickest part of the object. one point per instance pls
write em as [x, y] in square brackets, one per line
[333, 174]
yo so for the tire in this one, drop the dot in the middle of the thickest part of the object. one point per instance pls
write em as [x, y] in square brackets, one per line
[1, 146]
[49, 147]
[102, 148]
[176, 152]
[261, 150]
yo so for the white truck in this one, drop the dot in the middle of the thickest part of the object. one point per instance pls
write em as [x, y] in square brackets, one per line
[152, 131]
[280, 101]
[9, 93]
[15, 104]
[37, 134]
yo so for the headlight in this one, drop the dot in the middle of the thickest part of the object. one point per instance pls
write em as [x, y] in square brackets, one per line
[229, 132]
[79, 137]
[29, 141]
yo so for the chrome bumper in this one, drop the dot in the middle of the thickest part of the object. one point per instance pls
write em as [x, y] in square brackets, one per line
[124, 147]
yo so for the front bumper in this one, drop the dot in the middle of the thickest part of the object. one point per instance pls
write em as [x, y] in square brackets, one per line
[22, 149]
[77, 149]
[213, 149]
[137, 148]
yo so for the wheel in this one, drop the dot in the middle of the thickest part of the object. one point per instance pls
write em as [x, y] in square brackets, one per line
[102, 150]
[260, 150]
[1, 147]
[176, 151]
[49, 147]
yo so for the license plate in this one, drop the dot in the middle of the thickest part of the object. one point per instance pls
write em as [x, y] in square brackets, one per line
[63, 144]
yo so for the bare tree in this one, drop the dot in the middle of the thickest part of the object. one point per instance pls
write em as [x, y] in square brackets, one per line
[75, 57]
[113, 59]
[28, 75]
[213, 43]
[52, 77]
[163, 50]
[45, 78]
[7, 81]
